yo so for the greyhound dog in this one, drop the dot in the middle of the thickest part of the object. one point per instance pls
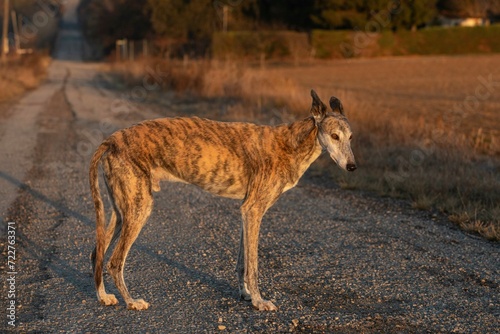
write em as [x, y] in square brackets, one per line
[252, 163]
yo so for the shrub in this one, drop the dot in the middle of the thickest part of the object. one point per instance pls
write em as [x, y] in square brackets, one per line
[250, 45]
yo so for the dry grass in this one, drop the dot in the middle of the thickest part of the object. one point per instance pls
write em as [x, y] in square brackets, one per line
[20, 74]
[403, 143]
[215, 79]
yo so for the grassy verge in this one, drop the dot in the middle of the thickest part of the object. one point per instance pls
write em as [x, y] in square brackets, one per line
[20, 74]
[435, 169]
[398, 157]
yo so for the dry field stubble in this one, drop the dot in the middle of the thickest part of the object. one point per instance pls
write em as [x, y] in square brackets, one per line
[426, 128]
[19, 74]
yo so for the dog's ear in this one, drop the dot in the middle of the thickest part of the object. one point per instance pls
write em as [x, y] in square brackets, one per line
[336, 105]
[318, 108]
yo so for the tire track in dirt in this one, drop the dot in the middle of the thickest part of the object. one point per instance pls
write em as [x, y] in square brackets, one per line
[54, 138]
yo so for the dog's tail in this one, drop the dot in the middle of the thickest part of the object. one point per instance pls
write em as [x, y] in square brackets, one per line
[98, 253]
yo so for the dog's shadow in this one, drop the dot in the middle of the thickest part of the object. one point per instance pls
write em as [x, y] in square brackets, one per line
[50, 263]
[219, 286]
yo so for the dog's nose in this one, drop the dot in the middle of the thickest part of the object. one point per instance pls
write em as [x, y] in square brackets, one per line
[351, 167]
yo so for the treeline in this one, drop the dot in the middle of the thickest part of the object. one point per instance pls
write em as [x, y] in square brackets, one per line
[196, 21]
[36, 22]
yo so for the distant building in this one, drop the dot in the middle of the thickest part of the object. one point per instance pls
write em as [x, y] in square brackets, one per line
[463, 21]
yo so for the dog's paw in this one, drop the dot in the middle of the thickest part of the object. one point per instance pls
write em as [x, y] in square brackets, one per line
[264, 305]
[108, 299]
[137, 304]
[245, 295]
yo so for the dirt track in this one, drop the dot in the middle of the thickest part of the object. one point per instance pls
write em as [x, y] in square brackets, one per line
[332, 260]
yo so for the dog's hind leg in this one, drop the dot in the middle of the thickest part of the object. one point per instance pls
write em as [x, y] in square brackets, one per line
[135, 214]
[112, 232]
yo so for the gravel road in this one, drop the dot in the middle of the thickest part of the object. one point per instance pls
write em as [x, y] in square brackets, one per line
[332, 260]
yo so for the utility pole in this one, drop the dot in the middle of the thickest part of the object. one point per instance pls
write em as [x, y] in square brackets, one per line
[5, 29]
[225, 12]
[17, 42]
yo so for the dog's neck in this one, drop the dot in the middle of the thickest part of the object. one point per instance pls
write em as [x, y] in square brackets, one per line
[300, 145]
[303, 139]
[303, 134]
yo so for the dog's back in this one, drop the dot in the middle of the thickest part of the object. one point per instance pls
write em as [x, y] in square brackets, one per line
[219, 157]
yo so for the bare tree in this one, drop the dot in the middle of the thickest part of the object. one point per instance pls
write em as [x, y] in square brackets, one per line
[469, 8]
[5, 28]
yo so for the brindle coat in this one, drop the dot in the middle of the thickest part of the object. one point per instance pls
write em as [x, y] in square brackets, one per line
[244, 161]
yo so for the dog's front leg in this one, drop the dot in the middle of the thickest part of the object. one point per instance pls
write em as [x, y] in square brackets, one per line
[240, 268]
[252, 213]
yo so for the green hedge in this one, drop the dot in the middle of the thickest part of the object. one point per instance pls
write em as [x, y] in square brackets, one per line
[253, 45]
[458, 40]
[327, 44]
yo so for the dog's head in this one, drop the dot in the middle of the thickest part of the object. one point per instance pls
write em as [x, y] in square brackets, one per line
[334, 131]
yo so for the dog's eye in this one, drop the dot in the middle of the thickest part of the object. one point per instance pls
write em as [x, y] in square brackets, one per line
[335, 136]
